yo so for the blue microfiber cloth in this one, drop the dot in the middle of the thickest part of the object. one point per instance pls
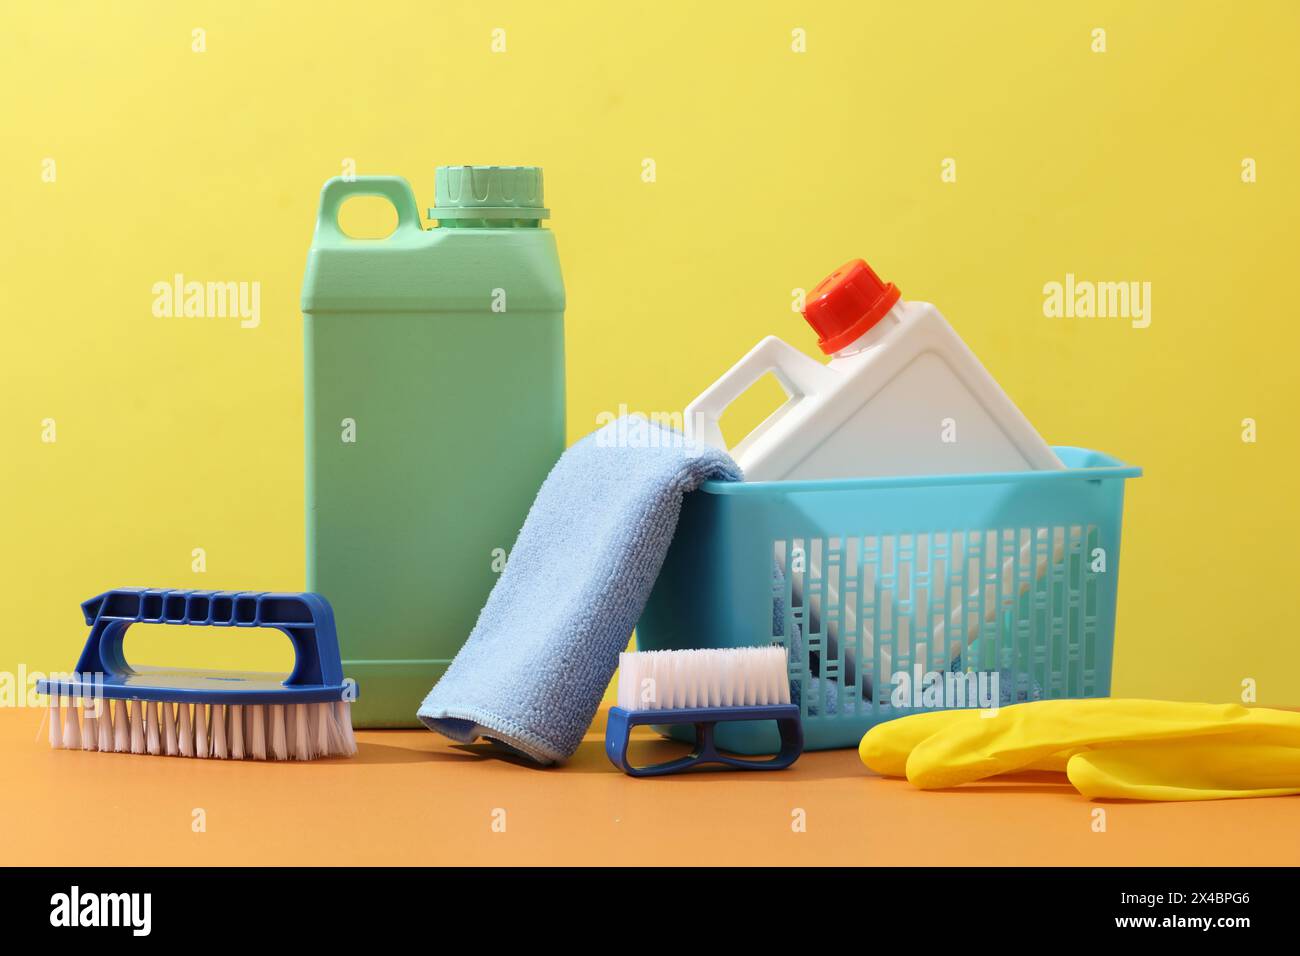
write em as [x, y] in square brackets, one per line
[546, 644]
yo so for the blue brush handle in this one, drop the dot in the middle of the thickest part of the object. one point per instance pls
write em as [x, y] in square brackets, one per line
[618, 733]
[306, 618]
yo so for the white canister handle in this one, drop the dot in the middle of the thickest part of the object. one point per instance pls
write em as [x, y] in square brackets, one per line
[798, 375]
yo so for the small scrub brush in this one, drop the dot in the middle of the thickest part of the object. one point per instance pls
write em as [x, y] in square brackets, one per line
[703, 687]
[111, 706]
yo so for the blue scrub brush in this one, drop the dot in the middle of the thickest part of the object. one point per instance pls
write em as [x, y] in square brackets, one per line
[109, 705]
[703, 687]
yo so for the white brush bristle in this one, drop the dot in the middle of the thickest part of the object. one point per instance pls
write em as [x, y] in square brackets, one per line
[89, 725]
[71, 728]
[343, 721]
[137, 727]
[121, 728]
[257, 716]
[184, 731]
[226, 732]
[236, 731]
[301, 733]
[201, 731]
[279, 733]
[690, 679]
[105, 722]
[322, 720]
[219, 731]
[152, 734]
[171, 744]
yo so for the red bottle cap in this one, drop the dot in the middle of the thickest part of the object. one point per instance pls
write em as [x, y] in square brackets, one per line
[846, 303]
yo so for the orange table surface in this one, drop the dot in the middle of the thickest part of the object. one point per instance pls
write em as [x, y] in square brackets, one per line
[412, 797]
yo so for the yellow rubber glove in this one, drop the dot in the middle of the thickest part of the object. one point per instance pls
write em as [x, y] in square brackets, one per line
[886, 747]
[949, 748]
[1206, 768]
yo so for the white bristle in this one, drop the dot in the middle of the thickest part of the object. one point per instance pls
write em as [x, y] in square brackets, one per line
[56, 727]
[329, 737]
[279, 739]
[152, 737]
[137, 726]
[313, 732]
[121, 728]
[322, 720]
[301, 733]
[691, 679]
[171, 746]
[257, 715]
[201, 731]
[236, 732]
[89, 725]
[184, 730]
[343, 721]
[289, 716]
[338, 745]
[105, 722]
[71, 729]
[219, 731]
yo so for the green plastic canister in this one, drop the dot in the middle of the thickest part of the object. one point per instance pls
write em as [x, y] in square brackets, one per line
[434, 410]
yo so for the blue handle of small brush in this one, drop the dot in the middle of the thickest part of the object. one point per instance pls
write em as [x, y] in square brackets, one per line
[306, 618]
[618, 733]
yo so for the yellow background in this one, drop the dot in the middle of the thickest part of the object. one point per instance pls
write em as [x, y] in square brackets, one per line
[773, 167]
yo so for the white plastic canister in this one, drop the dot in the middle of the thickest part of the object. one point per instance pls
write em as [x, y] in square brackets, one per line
[901, 395]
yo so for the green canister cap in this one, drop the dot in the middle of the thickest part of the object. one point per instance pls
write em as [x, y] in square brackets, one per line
[488, 192]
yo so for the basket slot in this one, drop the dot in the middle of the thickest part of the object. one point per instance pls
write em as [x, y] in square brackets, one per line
[1016, 604]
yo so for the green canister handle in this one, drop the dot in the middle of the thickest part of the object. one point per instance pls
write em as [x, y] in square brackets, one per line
[340, 189]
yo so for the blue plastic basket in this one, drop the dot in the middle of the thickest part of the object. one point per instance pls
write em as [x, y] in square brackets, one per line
[988, 588]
